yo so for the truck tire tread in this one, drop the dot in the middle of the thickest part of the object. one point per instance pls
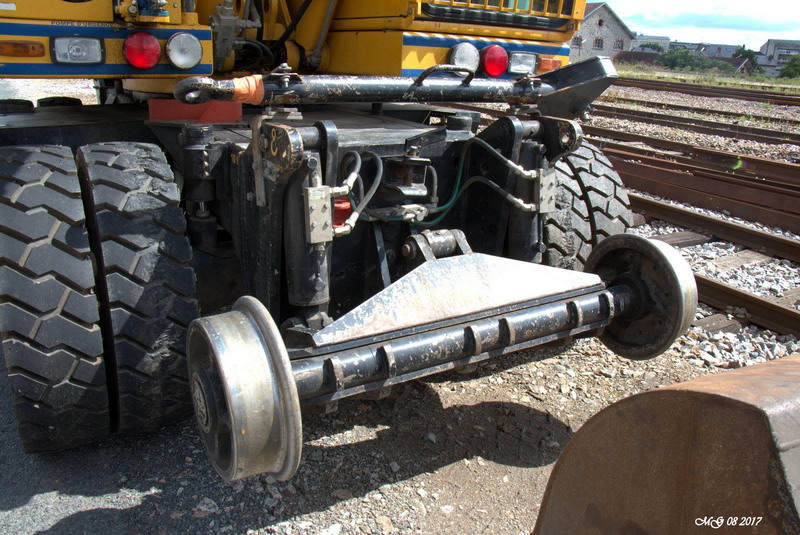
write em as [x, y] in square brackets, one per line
[49, 318]
[149, 282]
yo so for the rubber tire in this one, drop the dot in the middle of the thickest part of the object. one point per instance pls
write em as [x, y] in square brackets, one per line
[48, 307]
[138, 230]
[591, 205]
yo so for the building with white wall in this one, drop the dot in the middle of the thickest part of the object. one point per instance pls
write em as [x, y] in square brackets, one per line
[602, 33]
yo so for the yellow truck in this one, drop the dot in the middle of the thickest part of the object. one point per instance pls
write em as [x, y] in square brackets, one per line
[311, 168]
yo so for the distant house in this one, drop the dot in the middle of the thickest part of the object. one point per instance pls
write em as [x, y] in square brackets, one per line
[707, 50]
[637, 45]
[602, 33]
[775, 54]
[742, 65]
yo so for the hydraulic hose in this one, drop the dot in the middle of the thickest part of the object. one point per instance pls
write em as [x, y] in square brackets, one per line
[347, 184]
[292, 25]
[347, 228]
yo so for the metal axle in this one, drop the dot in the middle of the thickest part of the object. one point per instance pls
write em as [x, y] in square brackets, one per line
[247, 391]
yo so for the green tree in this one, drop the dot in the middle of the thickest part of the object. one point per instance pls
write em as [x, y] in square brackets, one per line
[745, 52]
[653, 46]
[683, 59]
[791, 69]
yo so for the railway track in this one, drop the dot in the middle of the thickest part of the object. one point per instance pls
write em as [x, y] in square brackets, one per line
[765, 119]
[775, 314]
[755, 189]
[753, 95]
[701, 126]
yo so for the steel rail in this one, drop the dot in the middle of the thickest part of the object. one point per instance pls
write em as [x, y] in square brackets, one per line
[701, 126]
[771, 97]
[670, 184]
[777, 176]
[668, 106]
[744, 189]
[761, 167]
[757, 240]
[760, 311]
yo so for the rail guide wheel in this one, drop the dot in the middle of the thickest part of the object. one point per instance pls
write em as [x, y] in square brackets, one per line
[244, 394]
[665, 290]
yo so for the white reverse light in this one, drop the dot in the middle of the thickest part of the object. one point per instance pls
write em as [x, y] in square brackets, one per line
[184, 51]
[465, 55]
[522, 63]
[77, 50]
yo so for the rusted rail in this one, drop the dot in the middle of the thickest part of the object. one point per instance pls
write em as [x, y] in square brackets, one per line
[762, 312]
[701, 126]
[757, 240]
[771, 97]
[668, 106]
[677, 186]
[767, 313]
[728, 161]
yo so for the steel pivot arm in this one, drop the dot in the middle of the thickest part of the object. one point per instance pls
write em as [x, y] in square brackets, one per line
[566, 92]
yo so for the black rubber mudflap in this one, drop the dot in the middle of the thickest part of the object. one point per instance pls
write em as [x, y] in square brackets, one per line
[48, 307]
[148, 285]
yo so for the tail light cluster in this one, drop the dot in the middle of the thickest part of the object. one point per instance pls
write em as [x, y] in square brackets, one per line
[143, 51]
[495, 61]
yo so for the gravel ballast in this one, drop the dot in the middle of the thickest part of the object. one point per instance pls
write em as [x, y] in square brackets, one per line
[782, 152]
[710, 103]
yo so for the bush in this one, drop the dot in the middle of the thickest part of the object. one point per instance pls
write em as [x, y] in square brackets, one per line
[792, 69]
[680, 58]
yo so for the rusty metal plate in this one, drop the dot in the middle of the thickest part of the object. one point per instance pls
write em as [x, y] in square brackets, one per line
[681, 459]
[450, 288]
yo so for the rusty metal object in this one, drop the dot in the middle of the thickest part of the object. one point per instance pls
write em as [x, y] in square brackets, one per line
[763, 242]
[717, 113]
[771, 315]
[726, 446]
[665, 183]
[746, 188]
[771, 97]
[566, 92]
[764, 168]
[702, 126]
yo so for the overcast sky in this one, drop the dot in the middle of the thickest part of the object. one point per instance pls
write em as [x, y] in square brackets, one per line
[730, 22]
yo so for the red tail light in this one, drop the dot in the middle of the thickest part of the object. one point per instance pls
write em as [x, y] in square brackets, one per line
[142, 50]
[494, 59]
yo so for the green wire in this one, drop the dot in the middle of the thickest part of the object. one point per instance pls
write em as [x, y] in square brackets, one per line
[446, 207]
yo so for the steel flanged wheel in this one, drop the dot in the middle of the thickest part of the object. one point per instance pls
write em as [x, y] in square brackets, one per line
[663, 288]
[244, 395]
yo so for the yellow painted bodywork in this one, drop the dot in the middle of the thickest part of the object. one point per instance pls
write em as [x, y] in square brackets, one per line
[408, 16]
[365, 37]
[390, 54]
[91, 11]
[114, 57]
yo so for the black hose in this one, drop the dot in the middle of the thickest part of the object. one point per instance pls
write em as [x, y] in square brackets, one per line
[263, 50]
[356, 168]
[291, 27]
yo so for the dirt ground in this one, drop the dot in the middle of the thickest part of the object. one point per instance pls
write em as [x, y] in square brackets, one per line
[454, 454]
